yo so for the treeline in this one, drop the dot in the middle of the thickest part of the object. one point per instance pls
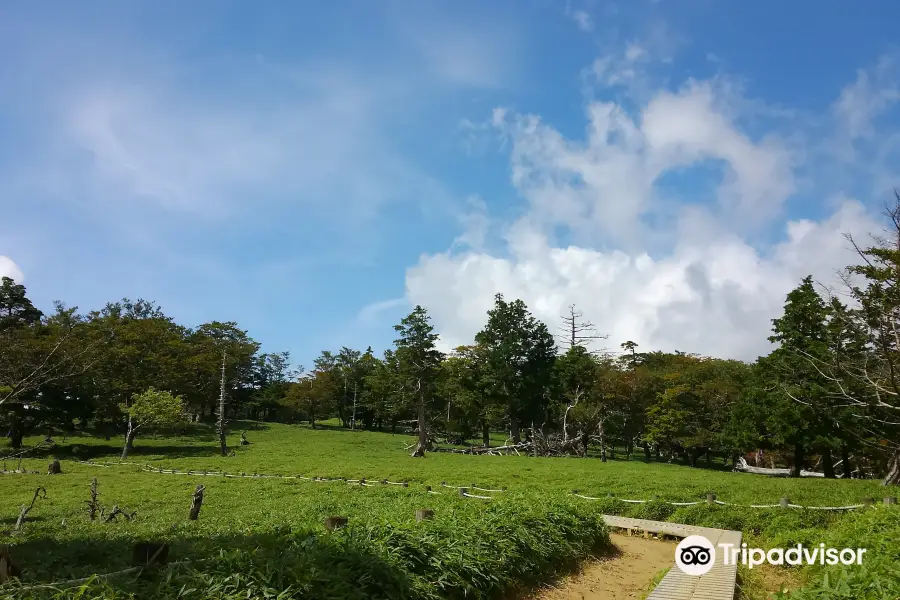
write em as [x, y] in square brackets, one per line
[828, 395]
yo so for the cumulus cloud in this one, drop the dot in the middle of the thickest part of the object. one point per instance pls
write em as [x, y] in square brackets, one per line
[9, 269]
[642, 262]
[715, 297]
[608, 183]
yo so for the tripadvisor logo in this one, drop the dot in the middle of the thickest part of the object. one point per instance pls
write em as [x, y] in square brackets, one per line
[696, 555]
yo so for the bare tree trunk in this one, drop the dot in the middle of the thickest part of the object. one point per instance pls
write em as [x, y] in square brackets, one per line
[353, 418]
[602, 442]
[799, 455]
[846, 467]
[220, 424]
[129, 439]
[15, 432]
[893, 475]
[514, 429]
[827, 463]
[423, 433]
[342, 414]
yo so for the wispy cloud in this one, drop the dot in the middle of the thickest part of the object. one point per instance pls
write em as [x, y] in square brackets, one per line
[371, 313]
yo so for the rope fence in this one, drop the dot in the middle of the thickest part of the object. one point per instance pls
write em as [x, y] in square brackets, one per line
[711, 500]
[464, 490]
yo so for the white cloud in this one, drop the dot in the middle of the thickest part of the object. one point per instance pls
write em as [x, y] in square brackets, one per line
[714, 297]
[9, 269]
[369, 314]
[870, 95]
[602, 188]
[152, 144]
[581, 17]
[692, 280]
[583, 20]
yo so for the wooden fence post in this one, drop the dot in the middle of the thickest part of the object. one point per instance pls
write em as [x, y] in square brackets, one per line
[890, 500]
[710, 499]
[785, 502]
[424, 514]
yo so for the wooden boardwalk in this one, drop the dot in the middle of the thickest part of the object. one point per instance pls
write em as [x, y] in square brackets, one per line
[717, 584]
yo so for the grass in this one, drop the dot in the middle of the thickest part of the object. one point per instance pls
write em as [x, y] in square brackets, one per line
[266, 534]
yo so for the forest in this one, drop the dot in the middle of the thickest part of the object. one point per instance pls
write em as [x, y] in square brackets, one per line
[825, 398]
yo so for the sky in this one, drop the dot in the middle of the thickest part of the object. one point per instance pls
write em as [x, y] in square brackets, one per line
[314, 170]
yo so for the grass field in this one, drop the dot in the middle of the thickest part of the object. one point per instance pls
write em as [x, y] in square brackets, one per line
[260, 537]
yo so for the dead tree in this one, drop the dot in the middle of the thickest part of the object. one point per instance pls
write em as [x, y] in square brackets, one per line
[196, 503]
[38, 493]
[116, 511]
[577, 332]
[220, 423]
[575, 398]
[423, 433]
[93, 503]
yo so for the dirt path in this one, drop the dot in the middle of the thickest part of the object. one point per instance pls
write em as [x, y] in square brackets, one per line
[623, 576]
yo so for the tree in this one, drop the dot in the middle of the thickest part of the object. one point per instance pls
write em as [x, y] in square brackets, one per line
[418, 363]
[151, 409]
[311, 395]
[16, 309]
[519, 353]
[466, 391]
[800, 419]
[577, 332]
[348, 363]
[866, 374]
[39, 357]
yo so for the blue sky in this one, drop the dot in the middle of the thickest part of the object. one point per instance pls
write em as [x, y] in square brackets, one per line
[312, 170]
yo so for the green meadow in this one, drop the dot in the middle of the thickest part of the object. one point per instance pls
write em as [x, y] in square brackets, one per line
[260, 537]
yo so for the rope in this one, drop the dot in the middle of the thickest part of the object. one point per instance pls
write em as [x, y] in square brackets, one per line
[719, 502]
[468, 495]
[364, 483]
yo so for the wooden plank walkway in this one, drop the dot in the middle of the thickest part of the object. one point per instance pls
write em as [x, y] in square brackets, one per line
[717, 584]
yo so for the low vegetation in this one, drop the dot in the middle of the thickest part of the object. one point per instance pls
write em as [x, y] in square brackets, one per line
[265, 536]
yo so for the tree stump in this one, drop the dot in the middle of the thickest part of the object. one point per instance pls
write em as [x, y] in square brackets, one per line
[196, 503]
[333, 523]
[145, 554]
[424, 514]
[54, 468]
